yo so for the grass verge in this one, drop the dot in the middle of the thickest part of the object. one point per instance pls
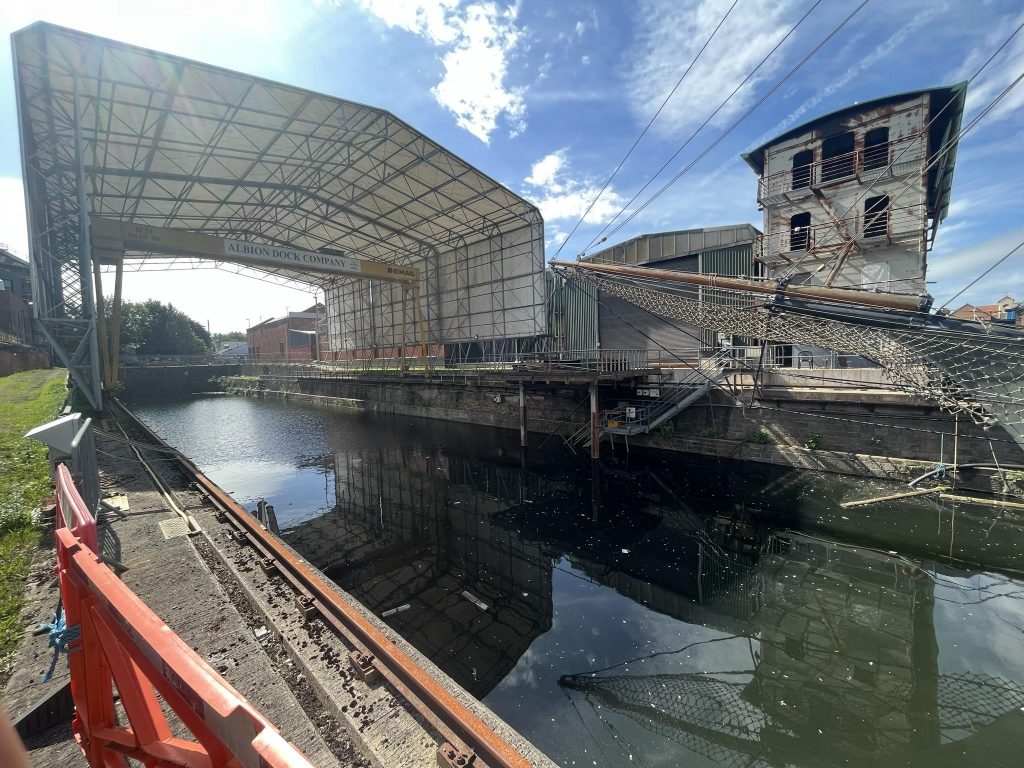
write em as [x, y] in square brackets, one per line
[26, 400]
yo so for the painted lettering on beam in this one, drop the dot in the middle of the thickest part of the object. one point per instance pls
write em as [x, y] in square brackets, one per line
[291, 257]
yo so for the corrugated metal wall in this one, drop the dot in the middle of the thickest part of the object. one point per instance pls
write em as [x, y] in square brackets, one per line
[579, 318]
[572, 313]
[736, 261]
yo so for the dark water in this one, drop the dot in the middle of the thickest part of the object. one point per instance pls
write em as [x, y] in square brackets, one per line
[658, 611]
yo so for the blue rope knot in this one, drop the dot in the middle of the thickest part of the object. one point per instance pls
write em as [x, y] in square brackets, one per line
[61, 636]
[940, 470]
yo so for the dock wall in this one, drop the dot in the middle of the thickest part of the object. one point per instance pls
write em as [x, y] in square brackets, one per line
[174, 380]
[874, 434]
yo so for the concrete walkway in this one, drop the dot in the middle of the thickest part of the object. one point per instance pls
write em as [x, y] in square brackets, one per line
[171, 576]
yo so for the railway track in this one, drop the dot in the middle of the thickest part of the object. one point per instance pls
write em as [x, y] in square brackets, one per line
[465, 739]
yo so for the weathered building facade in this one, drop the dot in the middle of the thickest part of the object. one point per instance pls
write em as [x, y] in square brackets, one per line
[854, 198]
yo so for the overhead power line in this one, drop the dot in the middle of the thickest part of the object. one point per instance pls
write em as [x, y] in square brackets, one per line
[607, 231]
[646, 128]
[999, 261]
[724, 134]
[791, 269]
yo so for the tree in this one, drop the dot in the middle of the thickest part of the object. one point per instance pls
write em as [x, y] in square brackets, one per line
[232, 336]
[160, 329]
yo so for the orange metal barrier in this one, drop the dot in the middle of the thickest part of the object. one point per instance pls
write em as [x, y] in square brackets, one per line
[123, 643]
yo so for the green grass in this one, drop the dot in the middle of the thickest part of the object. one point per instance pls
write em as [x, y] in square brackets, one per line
[26, 400]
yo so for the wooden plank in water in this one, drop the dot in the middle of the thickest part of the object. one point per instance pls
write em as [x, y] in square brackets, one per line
[893, 497]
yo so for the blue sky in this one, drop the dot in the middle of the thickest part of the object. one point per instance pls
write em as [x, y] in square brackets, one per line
[547, 97]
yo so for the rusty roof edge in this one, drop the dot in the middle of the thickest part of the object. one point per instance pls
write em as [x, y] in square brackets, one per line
[755, 157]
[750, 228]
[945, 192]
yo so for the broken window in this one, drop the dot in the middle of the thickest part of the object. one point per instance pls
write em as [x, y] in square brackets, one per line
[837, 156]
[802, 169]
[876, 148]
[799, 232]
[876, 216]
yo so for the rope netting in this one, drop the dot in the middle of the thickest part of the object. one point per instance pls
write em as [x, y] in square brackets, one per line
[963, 367]
[719, 719]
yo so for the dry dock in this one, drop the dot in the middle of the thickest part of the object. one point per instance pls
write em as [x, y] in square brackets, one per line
[246, 622]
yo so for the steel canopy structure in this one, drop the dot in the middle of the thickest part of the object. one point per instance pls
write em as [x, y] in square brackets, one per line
[121, 132]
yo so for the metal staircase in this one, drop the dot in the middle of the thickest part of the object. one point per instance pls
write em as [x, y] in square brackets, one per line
[643, 416]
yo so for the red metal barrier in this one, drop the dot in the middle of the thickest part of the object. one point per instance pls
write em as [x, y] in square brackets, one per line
[72, 513]
[123, 643]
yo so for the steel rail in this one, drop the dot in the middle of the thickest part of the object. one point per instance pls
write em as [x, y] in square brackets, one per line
[474, 741]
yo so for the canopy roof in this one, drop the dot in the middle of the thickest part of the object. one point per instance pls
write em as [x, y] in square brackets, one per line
[175, 143]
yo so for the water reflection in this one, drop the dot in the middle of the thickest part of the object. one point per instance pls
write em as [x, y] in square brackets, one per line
[842, 669]
[661, 612]
[414, 536]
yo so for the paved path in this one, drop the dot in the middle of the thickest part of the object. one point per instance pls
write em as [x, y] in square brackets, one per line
[173, 579]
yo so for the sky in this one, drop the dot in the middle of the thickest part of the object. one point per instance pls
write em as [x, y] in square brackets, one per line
[547, 97]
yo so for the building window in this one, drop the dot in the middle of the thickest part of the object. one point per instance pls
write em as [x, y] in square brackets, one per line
[280, 348]
[799, 232]
[802, 169]
[876, 148]
[876, 216]
[837, 156]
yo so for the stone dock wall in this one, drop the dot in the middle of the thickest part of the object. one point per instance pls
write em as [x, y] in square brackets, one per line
[873, 434]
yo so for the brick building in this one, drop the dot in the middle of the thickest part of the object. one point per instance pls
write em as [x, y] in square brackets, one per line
[15, 295]
[14, 275]
[291, 337]
[1007, 310]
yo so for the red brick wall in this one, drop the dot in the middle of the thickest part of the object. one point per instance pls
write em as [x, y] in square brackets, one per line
[270, 340]
[15, 319]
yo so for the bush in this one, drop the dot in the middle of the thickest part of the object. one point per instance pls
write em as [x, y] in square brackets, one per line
[761, 437]
[813, 443]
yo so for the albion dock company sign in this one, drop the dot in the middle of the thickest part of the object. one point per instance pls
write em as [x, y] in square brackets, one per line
[290, 257]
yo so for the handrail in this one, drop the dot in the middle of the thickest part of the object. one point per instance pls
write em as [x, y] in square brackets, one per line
[838, 167]
[72, 511]
[121, 642]
[891, 223]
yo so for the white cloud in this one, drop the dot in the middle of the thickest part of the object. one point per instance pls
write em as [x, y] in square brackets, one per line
[565, 197]
[864, 64]
[998, 75]
[954, 270]
[544, 171]
[588, 23]
[262, 37]
[477, 41]
[669, 35]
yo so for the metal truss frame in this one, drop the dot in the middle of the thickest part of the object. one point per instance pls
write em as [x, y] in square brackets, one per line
[127, 133]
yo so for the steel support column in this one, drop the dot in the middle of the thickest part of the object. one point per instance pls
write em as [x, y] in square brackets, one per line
[93, 389]
[595, 423]
[523, 434]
